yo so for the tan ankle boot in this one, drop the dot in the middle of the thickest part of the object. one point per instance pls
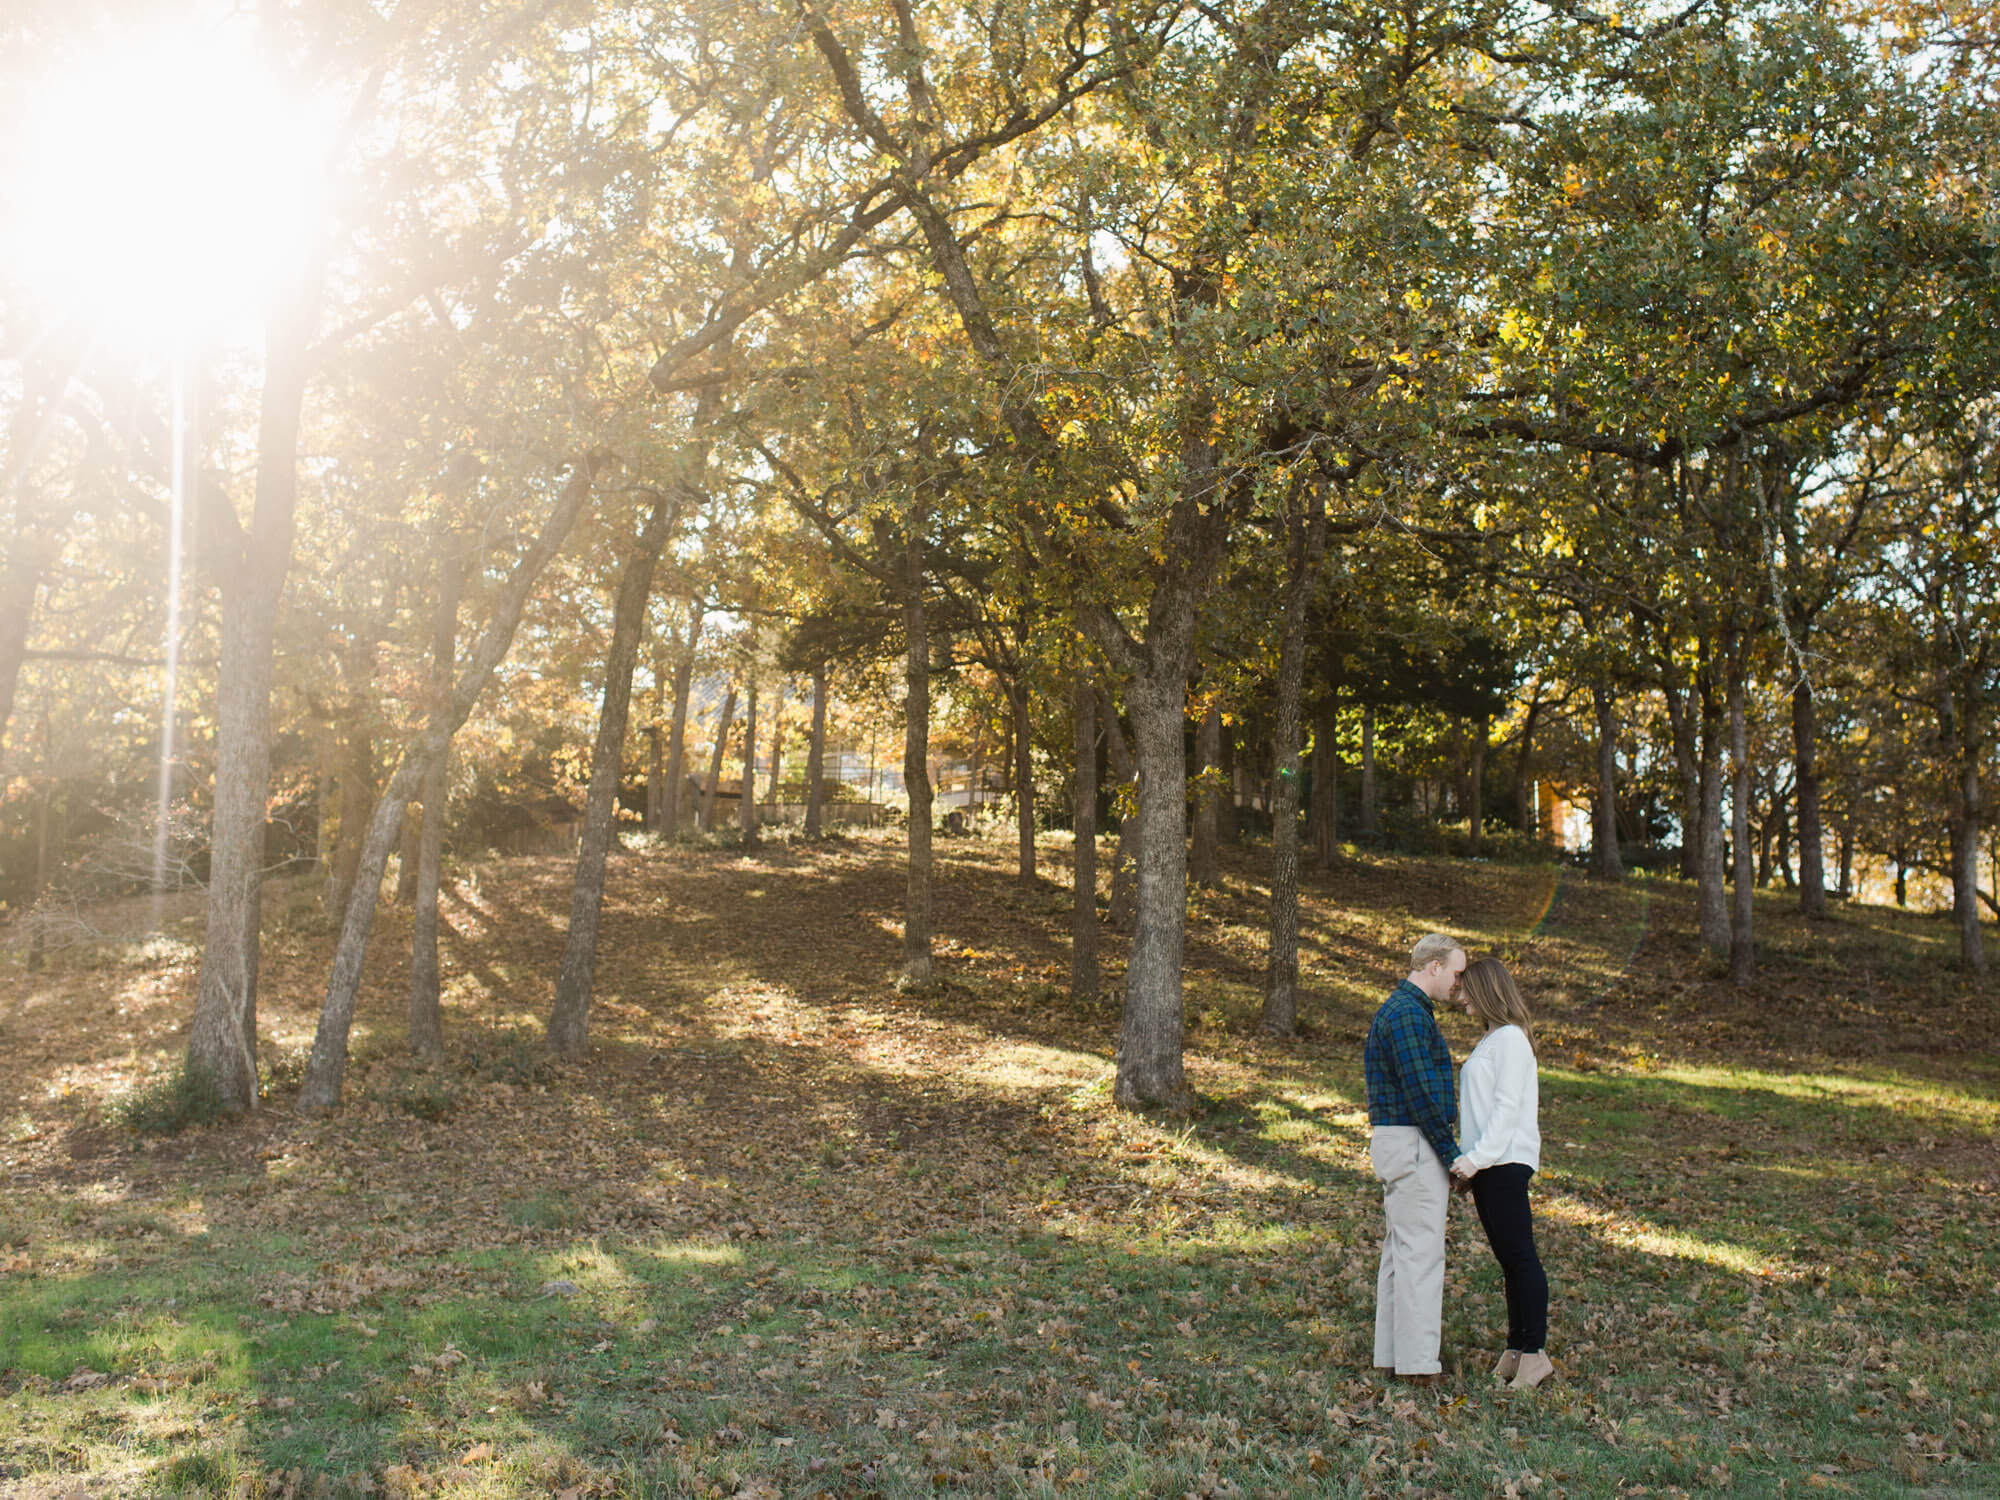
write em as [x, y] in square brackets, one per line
[1531, 1372]
[1509, 1363]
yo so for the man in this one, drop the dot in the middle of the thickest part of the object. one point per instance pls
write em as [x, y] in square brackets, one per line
[1413, 1112]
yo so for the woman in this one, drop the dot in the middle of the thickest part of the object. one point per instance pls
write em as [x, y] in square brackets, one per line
[1502, 1147]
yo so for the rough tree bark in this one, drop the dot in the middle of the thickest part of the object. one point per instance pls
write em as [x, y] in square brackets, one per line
[816, 755]
[426, 1020]
[327, 1064]
[222, 1041]
[1326, 785]
[1605, 861]
[569, 1016]
[1084, 979]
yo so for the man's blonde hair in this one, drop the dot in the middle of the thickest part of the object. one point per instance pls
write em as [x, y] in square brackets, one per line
[1433, 948]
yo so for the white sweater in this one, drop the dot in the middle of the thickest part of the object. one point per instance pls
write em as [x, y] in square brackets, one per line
[1497, 1101]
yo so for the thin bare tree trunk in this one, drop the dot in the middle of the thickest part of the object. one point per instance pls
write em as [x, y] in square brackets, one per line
[916, 763]
[816, 755]
[408, 855]
[569, 1017]
[1123, 876]
[677, 731]
[723, 724]
[656, 744]
[1084, 979]
[1475, 787]
[1712, 897]
[1605, 861]
[1805, 764]
[1024, 781]
[1203, 865]
[748, 810]
[1306, 544]
[772, 782]
[1742, 952]
[326, 1067]
[1371, 824]
[1326, 786]
[1524, 764]
[426, 1019]
[1959, 732]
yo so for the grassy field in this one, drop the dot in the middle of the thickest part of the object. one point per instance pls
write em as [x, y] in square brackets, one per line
[790, 1232]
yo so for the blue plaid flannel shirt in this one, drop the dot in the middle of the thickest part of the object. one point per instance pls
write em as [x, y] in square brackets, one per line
[1408, 1070]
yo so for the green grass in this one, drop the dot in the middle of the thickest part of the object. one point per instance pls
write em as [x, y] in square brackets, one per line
[797, 1234]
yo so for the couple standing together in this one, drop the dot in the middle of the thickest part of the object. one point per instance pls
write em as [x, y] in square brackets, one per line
[1418, 1121]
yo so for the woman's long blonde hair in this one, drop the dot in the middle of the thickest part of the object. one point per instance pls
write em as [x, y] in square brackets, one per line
[1495, 1000]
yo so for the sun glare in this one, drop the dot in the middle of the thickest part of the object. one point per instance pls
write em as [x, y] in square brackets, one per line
[161, 193]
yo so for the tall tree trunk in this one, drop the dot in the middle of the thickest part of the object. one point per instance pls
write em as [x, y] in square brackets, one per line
[1151, 1035]
[569, 1017]
[1805, 762]
[1847, 854]
[1961, 736]
[1326, 785]
[1084, 979]
[222, 1041]
[749, 806]
[677, 730]
[723, 725]
[426, 1019]
[1024, 781]
[916, 763]
[1782, 815]
[1681, 725]
[816, 755]
[1371, 823]
[1475, 787]
[356, 782]
[408, 855]
[44, 821]
[1524, 764]
[773, 783]
[1203, 867]
[1742, 953]
[326, 1066]
[1118, 750]
[1605, 861]
[656, 744]
[1711, 896]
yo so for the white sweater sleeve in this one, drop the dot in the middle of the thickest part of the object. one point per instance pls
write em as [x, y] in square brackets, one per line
[1512, 1119]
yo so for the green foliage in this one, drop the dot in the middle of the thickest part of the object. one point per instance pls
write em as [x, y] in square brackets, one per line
[182, 1097]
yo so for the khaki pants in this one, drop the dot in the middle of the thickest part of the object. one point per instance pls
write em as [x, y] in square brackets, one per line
[1409, 1290]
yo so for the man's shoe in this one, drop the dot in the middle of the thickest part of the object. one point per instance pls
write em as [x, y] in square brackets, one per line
[1426, 1381]
[1510, 1362]
[1533, 1370]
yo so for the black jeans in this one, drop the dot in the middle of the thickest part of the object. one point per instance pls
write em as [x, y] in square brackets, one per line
[1501, 1196]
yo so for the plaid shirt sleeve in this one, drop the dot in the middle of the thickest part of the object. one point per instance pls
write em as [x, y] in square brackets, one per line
[1423, 1067]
